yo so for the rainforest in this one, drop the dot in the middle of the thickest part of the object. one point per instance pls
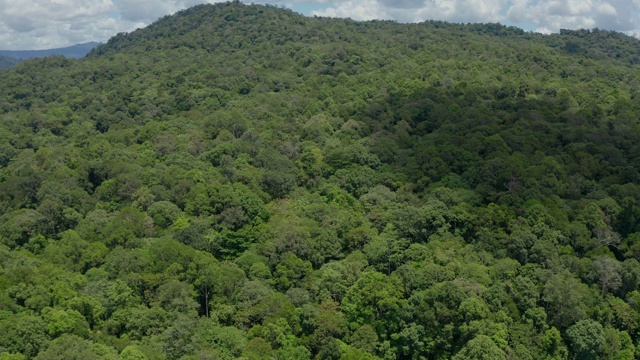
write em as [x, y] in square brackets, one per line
[243, 182]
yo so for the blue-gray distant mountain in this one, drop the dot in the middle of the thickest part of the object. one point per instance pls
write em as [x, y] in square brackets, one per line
[75, 51]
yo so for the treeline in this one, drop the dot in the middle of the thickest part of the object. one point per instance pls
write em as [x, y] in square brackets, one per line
[243, 182]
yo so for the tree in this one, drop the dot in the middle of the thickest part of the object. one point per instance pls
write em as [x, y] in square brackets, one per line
[18, 227]
[229, 341]
[480, 348]
[375, 299]
[7, 356]
[23, 333]
[290, 271]
[553, 345]
[65, 322]
[257, 349]
[608, 273]
[163, 213]
[132, 353]
[139, 322]
[586, 339]
[565, 298]
[71, 347]
[176, 296]
[365, 338]
[202, 272]
[177, 340]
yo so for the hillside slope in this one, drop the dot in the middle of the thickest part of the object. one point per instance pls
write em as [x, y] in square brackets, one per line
[241, 181]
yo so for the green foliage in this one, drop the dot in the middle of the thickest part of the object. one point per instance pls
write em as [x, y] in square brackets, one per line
[65, 322]
[75, 348]
[239, 181]
[586, 339]
[481, 348]
[132, 353]
[375, 299]
[23, 333]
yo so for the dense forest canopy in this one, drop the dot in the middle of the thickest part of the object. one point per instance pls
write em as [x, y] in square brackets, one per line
[240, 181]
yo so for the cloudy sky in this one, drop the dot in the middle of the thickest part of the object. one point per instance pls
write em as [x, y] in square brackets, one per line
[41, 24]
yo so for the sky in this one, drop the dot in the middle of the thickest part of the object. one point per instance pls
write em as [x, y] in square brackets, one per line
[43, 24]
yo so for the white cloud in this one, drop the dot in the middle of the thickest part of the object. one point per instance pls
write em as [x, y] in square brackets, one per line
[607, 10]
[150, 10]
[37, 24]
[356, 10]
[413, 11]
[42, 24]
[544, 30]
[553, 15]
[545, 15]
[31, 24]
[137, 10]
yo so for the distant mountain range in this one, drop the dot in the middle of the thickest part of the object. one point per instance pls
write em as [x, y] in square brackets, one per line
[8, 58]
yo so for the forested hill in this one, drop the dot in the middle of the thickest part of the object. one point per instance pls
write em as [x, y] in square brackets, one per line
[7, 62]
[244, 182]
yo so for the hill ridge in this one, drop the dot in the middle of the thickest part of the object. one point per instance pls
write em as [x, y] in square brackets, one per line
[572, 42]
